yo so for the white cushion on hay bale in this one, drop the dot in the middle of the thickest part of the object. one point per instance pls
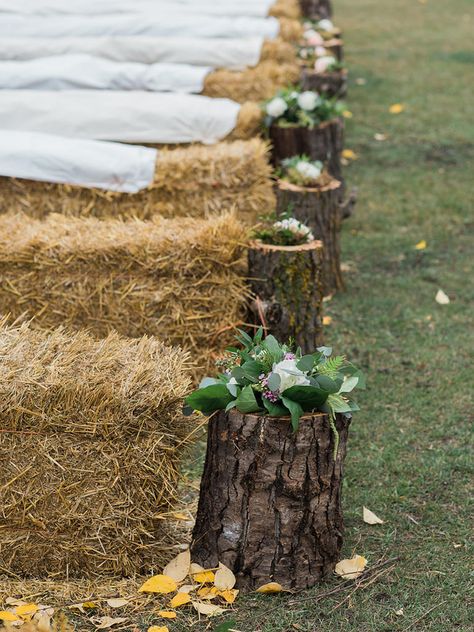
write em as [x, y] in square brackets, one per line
[66, 72]
[153, 24]
[141, 117]
[199, 51]
[88, 163]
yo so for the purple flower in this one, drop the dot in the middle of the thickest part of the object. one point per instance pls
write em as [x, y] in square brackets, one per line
[290, 356]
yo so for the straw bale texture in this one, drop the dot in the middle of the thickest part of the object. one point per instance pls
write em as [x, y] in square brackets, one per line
[248, 122]
[277, 50]
[291, 30]
[181, 279]
[91, 436]
[190, 181]
[286, 9]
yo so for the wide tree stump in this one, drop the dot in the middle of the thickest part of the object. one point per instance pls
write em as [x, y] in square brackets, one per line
[286, 283]
[335, 47]
[270, 502]
[316, 9]
[324, 142]
[320, 209]
[331, 84]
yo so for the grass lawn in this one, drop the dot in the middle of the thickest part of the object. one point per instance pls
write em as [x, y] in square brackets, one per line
[409, 459]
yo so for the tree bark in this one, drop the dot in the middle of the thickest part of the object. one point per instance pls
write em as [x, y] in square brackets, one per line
[286, 282]
[320, 209]
[332, 84]
[316, 9]
[324, 143]
[270, 502]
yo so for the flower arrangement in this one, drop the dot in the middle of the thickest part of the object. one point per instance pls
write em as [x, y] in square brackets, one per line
[293, 107]
[267, 377]
[316, 32]
[301, 170]
[286, 231]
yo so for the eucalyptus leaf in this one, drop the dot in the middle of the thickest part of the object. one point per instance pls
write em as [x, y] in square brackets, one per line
[273, 346]
[349, 385]
[274, 381]
[327, 384]
[326, 351]
[207, 381]
[232, 388]
[275, 410]
[306, 363]
[231, 405]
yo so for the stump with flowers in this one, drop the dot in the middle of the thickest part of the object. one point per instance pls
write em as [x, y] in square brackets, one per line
[316, 8]
[270, 501]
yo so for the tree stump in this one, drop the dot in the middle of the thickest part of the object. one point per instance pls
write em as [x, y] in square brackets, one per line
[320, 209]
[335, 47]
[270, 502]
[316, 9]
[324, 143]
[332, 84]
[286, 282]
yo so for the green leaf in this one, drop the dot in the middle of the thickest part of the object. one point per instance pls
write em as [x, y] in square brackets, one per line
[209, 399]
[275, 410]
[349, 385]
[207, 381]
[252, 369]
[230, 405]
[246, 402]
[326, 351]
[327, 384]
[239, 374]
[274, 381]
[295, 410]
[353, 371]
[309, 397]
[232, 388]
[273, 346]
[226, 626]
[306, 363]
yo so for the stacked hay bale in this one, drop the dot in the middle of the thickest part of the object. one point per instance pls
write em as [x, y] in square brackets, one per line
[90, 441]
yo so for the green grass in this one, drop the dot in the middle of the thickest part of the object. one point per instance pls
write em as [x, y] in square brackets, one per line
[409, 458]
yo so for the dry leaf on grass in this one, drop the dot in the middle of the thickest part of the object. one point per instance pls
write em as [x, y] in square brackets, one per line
[327, 320]
[421, 245]
[207, 609]
[229, 595]
[167, 614]
[349, 154]
[442, 298]
[351, 569]
[270, 588]
[396, 108]
[180, 599]
[205, 577]
[369, 517]
[158, 628]
[117, 603]
[399, 613]
[104, 623]
[8, 616]
[380, 137]
[178, 568]
[186, 588]
[26, 610]
[360, 81]
[224, 578]
[195, 568]
[159, 584]
[347, 114]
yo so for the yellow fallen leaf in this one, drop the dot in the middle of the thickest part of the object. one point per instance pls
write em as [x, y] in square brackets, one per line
[207, 592]
[421, 245]
[224, 578]
[89, 605]
[349, 154]
[167, 614]
[442, 298]
[178, 568]
[195, 568]
[26, 610]
[179, 600]
[117, 603]
[229, 595]
[108, 622]
[159, 584]
[351, 569]
[347, 114]
[270, 588]
[360, 81]
[158, 628]
[369, 517]
[327, 320]
[207, 609]
[380, 137]
[396, 108]
[8, 616]
[180, 516]
[205, 577]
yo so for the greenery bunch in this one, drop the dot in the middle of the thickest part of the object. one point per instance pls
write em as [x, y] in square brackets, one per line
[293, 107]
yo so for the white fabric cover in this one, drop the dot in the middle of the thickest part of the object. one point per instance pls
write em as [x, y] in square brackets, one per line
[66, 72]
[148, 117]
[216, 52]
[173, 24]
[257, 8]
[88, 163]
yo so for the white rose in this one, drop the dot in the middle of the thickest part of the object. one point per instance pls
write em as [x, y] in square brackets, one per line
[325, 25]
[320, 51]
[307, 170]
[289, 374]
[276, 107]
[323, 63]
[308, 100]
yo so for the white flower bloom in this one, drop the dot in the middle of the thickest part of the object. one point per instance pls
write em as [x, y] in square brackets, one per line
[276, 107]
[308, 100]
[290, 375]
[320, 51]
[323, 63]
[308, 170]
[297, 228]
[325, 25]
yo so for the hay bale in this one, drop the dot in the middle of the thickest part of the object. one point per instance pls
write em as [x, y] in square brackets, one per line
[91, 436]
[291, 30]
[181, 279]
[191, 181]
[277, 50]
[249, 122]
[253, 84]
[286, 9]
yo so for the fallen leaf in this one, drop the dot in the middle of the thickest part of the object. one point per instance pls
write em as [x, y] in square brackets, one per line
[327, 320]
[179, 600]
[207, 592]
[205, 577]
[351, 569]
[158, 628]
[442, 298]
[167, 614]
[159, 584]
[178, 568]
[43, 623]
[207, 609]
[187, 588]
[229, 595]
[89, 605]
[369, 517]
[457, 546]
[8, 616]
[421, 245]
[270, 588]
[117, 603]
[399, 613]
[360, 81]
[396, 108]
[224, 578]
[347, 114]
[380, 137]
[196, 568]
[349, 154]
[26, 610]
[180, 516]
[107, 622]
[14, 602]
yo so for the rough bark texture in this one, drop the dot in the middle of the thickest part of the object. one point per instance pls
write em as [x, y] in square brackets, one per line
[320, 209]
[324, 143]
[332, 84]
[270, 503]
[286, 282]
[315, 9]
[335, 47]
